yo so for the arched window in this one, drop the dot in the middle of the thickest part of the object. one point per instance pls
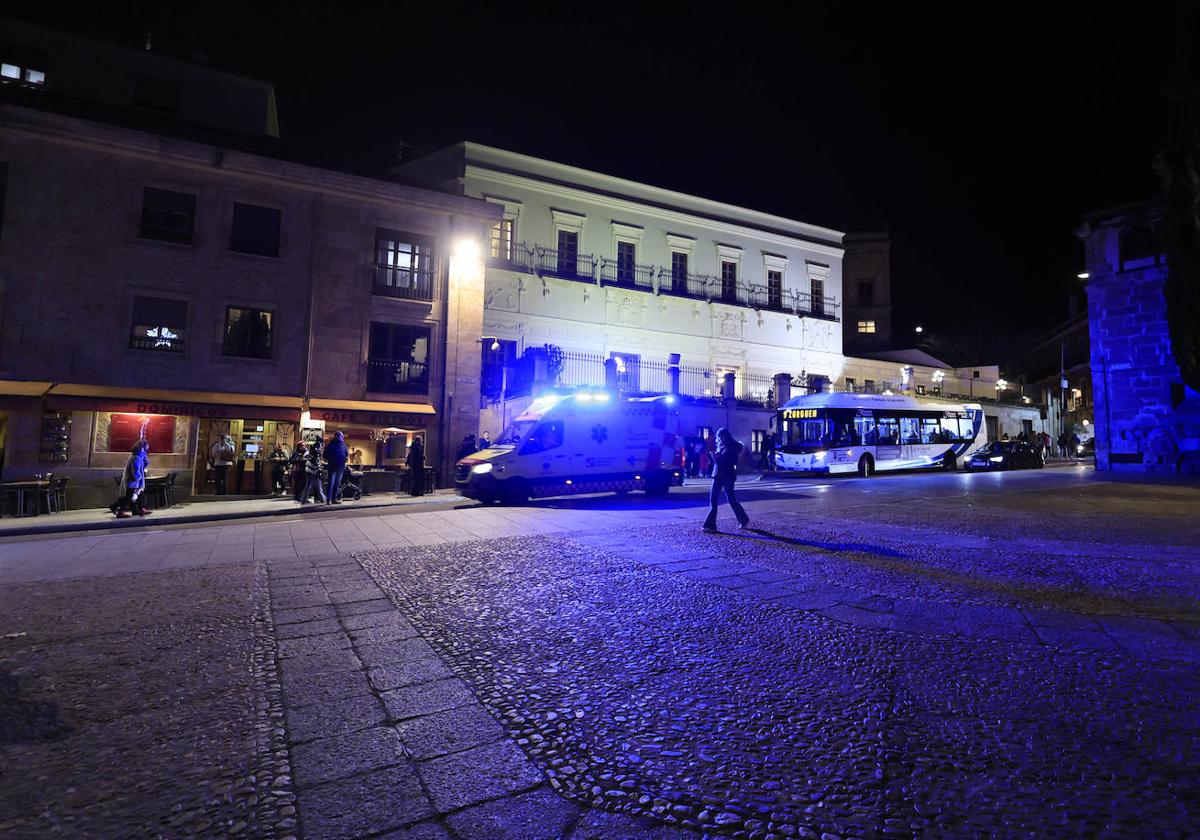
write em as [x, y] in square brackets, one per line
[1139, 248]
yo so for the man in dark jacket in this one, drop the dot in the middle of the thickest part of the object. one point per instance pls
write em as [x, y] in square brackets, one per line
[299, 478]
[725, 459]
[336, 455]
[312, 472]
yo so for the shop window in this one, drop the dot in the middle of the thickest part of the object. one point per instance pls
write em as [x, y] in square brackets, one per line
[159, 324]
[168, 215]
[56, 437]
[247, 332]
[398, 359]
[255, 230]
[124, 430]
[403, 265]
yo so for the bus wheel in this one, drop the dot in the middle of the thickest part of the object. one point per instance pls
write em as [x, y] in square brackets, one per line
[950, 462]
[866, 466]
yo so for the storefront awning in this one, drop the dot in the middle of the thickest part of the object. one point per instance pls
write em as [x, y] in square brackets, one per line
[370, 413]
[216, 405]
[21, 388]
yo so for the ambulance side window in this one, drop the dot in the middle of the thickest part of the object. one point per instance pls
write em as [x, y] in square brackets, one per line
[546, 436]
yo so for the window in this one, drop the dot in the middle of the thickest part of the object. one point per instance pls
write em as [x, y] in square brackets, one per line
[679, 271]
[975, 375]
[159, 324]
[818, 296]
[568, 252]
[728, 281]
[868, 386]
[501, 242]
[545, 437]
[850, 383]
[629, 373]
[626, 262]
[866, 293]
[756, 440]
[398, 359]
[156, 94]
[493, 376]
[23, 66]
[403, 265]
[866, 327]
[1139, 248]
[255, 230]
[10, 71]
[774, 289]
[247, 332]
[168, 215]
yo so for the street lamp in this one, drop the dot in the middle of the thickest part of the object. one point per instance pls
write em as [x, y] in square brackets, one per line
[938, 376]
[918, 329]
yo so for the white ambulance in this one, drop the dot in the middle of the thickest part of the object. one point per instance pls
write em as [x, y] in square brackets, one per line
[579, 443]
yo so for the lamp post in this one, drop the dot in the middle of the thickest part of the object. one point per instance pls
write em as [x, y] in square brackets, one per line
[938, 376]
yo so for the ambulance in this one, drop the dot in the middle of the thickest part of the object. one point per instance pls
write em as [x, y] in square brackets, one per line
[589, 442]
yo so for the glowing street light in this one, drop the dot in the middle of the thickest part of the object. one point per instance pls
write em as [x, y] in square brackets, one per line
[918, 329]
[466, 248]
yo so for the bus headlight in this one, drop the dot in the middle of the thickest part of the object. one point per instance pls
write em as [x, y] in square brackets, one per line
[481, 469]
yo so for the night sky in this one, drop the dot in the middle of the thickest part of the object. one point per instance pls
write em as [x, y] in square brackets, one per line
[979, 140]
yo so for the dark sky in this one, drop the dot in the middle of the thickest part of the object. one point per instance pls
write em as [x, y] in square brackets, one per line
[980, 140]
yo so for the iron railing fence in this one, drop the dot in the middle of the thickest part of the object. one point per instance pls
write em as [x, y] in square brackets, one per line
[628, 275]
[413, 284]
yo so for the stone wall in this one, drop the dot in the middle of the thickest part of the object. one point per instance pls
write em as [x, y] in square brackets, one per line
[1146, 420]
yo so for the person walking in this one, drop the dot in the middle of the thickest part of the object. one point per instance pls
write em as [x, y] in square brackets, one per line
[336, 455]
[1062, 445]
[133, 479]
[767, 456]
[220, 455]
[467, 447]
[416, 467]
[312, 471]
[279, 462]
[726, 455]
[299, 477]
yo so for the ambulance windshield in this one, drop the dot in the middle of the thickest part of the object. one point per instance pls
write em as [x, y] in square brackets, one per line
[514, 433]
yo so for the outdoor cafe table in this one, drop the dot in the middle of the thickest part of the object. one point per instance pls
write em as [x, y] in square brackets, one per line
[21, 488]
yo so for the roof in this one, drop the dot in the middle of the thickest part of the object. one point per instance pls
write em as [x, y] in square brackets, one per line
[911, 356]
[874, 401]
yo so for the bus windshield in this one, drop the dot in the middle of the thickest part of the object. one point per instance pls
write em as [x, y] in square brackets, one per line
[805, 432]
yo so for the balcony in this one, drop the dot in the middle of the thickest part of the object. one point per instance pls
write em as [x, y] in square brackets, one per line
[406, 283]
[658, 280]
[627, 275]
[397, 377]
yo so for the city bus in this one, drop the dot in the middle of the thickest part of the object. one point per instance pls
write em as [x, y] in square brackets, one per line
[842, 433]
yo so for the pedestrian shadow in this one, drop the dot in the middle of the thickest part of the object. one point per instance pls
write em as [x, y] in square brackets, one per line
[837, 547]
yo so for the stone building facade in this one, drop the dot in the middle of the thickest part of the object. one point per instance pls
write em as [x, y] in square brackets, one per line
[1147, 420]
[867, 321]
[194, 290]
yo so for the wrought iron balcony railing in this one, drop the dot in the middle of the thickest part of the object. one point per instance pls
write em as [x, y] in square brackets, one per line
[412, 284]
[397, 377]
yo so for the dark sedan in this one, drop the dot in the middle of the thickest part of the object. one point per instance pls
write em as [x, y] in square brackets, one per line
[1006, 455]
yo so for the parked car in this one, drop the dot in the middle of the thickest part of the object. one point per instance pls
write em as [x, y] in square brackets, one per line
[1006, 455]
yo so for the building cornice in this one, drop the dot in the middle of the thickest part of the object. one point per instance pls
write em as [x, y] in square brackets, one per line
[817, 240]
[187, 153]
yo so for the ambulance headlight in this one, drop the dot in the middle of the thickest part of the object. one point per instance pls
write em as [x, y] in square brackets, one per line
[669, 399]
[818, 456]
[481, 469]
[584, 397]
[996, 459]
[602, 397]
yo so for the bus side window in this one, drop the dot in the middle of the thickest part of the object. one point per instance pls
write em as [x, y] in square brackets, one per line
[910, 430]
[889, 432]
[865, 428]
[931, 431]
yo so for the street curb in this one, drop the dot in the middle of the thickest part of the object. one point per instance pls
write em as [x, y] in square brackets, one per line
[143, 522]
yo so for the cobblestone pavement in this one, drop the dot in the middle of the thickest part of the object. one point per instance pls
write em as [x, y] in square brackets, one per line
[860, 665]
[142, 705]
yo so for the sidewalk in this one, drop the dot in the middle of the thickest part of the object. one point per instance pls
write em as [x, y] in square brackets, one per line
[100, 519]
